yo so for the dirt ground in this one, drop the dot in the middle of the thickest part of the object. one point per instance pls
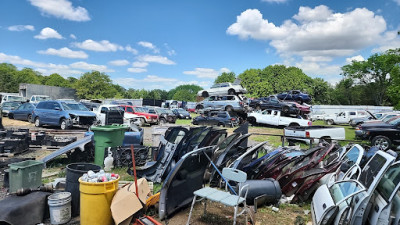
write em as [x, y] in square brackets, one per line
[216, 213]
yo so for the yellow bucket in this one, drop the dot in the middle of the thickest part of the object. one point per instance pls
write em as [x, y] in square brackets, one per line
[96, 202]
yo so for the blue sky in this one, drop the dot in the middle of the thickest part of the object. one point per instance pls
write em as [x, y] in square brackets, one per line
[162, 44]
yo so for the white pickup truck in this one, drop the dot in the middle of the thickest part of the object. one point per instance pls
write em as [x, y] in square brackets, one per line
[128, 117]
[344, 117]
[274, 118]
[315, 132]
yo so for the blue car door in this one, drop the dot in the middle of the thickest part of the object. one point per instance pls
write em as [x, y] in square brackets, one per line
[18, 112]
[57, 113]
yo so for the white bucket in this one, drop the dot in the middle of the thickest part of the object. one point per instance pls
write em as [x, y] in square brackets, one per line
[60, 207]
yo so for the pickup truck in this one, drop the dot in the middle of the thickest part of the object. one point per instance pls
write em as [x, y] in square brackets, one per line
[316, 132]
[274, 118]
[344, 117]
[128, 118]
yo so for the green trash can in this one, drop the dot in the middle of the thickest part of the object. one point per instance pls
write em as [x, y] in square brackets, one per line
[107, 136]
[25, 174]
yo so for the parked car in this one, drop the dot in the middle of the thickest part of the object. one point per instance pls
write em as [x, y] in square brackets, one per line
[127, 117]
[182, 114]
[225, 103]
[295, 95]
[9, 106]
[383, 135]
[12, 98]
[357, 121]
[318, 115]
[39, 98]
[304, 109]
[275, 118]
[315, 132]
[223, 89]
[344, 117]
[216, 118]
[386, 117]
[92, 106]
[190, 106]
[63, 114]
[147, 117]
[165, 115]
[273, 103]
[23, 112]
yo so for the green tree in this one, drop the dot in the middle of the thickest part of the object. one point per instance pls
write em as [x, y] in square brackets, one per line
[184, 95]
[57, 80]
[95, 85]
[192, 90]
[321, 91]
[8, 82]
[375, 72]
[225, 77]
[28, 75]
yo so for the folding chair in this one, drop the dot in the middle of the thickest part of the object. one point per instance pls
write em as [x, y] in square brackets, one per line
[224, 196]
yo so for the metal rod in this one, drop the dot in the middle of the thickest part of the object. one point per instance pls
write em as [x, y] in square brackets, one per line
[134, 170]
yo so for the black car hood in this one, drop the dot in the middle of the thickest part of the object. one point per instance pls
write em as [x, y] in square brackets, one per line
[376, 125]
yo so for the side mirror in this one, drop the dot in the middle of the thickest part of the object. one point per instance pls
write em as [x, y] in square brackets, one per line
[57, 108]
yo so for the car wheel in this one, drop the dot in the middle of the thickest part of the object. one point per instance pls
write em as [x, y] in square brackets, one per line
[221, 125]
[231, 92]
[195, 123]
[300, 101]
[29, 118]
[37, 122]
[204, 94]
[10, 116]
[162, 122]
[252, 121]
[63, 124]
[329, 122]
[285, 109]
[382, 142]
[229, 108]
[258, 107]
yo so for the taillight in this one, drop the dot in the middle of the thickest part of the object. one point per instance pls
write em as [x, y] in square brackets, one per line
[233, 118]
[147, 117]
[307, 134]
[309, 123]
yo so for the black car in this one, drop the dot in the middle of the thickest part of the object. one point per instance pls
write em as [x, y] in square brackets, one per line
[181, 113]
[295, 95]
[165, 115]
[216, 118]
[381, 134]
[273, 103]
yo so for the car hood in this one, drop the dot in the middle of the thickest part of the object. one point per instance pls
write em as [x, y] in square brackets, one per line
[184, 113]
[81, 113]
[376, 125]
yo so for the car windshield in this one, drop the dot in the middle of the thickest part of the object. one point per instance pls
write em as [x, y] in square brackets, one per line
[159, 110]
[116, 108]
[11, 104]
[74, 106]
[181, 110]
[389, 182]
[42, 98]
[168, 111]
[142, 110]
[15, 98]
[343, 190]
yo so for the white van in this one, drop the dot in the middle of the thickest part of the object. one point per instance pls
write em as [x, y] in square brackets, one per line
[12, 98]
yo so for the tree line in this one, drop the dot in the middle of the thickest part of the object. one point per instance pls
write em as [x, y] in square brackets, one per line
[375, 81]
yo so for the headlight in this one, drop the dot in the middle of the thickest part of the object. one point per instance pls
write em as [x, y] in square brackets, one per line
[181, 115]
[72, 116]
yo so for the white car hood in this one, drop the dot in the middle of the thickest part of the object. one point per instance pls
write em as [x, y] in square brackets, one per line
[130, 116]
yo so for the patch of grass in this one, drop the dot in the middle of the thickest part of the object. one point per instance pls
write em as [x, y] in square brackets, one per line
[121, 171]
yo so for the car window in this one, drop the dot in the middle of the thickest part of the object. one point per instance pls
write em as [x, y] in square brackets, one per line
[224, 85]
[370, 171]
[341, 114]
[129, 109]
[103, 110]
[340, 191]
[295, 92]
[53, 105]
[15, 98]
[275, 113]
[222, 115]
[351, 156]
[230, 98]
[215, 86]
[21, 107]
[394, 121]
[389, 182]
[352, 113]
[212, 98]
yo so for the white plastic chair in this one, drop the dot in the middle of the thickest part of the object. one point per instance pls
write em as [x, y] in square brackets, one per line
[224, 197]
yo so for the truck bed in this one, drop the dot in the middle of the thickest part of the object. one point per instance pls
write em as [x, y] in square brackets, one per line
[303, 128]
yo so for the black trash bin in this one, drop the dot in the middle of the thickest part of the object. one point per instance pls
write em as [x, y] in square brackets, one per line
[74, 172]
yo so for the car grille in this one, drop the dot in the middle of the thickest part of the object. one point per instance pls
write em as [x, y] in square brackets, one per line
[86, 120]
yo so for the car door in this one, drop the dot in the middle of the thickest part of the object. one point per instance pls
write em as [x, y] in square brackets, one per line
[212, 118]
[55, 112]
[342, 118]
[274, 118]
[19, 112]
[102, 114]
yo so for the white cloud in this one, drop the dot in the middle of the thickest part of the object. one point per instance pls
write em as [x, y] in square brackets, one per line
[98, 46]
[206, 72]
[61, 9]
[47, 33]
[274, 1]
[390, 40]
[155, 59]
[21, 28]
[87, 66]
[120, 62]
[128, 48]
[170, 51]
[72, 36]
[140, 64]
[149, 45]
[65, 52]
[319, 69]
[354, 58]
[136, 70]
[313, 32]
[397, 1]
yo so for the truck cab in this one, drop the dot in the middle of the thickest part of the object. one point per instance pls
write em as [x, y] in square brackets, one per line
[345, 117]
[39, 98]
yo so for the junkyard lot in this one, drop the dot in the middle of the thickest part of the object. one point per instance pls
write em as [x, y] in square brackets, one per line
[287, 214]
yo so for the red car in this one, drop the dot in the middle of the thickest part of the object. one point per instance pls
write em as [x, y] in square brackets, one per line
[140, 111]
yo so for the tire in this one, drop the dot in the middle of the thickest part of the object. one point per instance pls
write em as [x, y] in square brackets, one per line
[252, 121]
[63, 124]
[162, 122]
[199, 107]
[10, 116]
[329, 122]
[231, 92]
[37, 122]
[285, 109]
[29, 118]
[229, 108]
[204, 94]
[326, 139]
[300, 101]
[294, 125]
[221, 125]
[382, 142]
